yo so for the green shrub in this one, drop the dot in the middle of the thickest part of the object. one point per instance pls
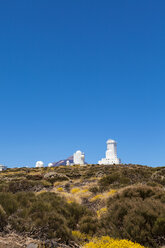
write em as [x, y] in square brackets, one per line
[46, 215]
[25, 199]
[3, 219]
[94, 189]
[4, 187]
[8, 202]
[34, 177]
[20, 185]
[57, 228]
[74, 214]
[137, 214]
[159, 226]
[88, 225]
[116, 178]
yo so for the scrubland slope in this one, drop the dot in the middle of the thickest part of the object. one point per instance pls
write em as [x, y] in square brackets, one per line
[76, 206]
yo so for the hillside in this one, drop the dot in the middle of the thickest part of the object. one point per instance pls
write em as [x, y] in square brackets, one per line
[71, 206]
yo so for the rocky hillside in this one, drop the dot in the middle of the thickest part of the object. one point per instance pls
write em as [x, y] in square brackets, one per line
[63, 162]
[73, 206]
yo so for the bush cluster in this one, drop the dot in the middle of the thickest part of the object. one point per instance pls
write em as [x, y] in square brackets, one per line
[20, 185]
[137, 214]
[132, 212]
[115, 179]
[45, 215]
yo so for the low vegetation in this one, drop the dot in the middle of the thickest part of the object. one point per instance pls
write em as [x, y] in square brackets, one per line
[91, 206]
[107, 242]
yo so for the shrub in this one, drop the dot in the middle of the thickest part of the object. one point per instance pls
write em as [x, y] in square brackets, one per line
[46, 215]
[60, 189]
[75, 190]
[8, 202]
[107, 242]
[45, 183]
[24, 185]
[81, 238]
[105, 181]
[112, 192]
[115, 178]
[3, 218]
[75, 213]
[101, 211]
[4, 187]
[34, 177]
[159, 226]
[56, 227]
[136, 214]
[25, 199]
[94, 189]
[96, 198]
[88, 225]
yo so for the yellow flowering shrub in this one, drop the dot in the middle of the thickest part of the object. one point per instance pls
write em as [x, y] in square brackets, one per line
[96, 197]
[76, 194]
[81, 237]
[84, 191]
[75, 190]
[60, 189]
[112, 192]
[107, 242]
[101, 211]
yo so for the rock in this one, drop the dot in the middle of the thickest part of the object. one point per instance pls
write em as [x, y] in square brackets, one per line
[32, 245]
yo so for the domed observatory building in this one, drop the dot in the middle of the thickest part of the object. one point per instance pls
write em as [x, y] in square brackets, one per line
[50, 165]
[111, 154]
[2, 167]
[79, 158]
[39, 164]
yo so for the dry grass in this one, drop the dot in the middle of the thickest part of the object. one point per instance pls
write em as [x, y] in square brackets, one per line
[96, 198]
[76, 194]
[103, 196]
[41, 191]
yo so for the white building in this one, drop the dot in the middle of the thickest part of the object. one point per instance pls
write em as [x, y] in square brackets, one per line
[78, 158]
[39, 164]
[2, 167]
[68, 162]
[111, 154]
[50, 164]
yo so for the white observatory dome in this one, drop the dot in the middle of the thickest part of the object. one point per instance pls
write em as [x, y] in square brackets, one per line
[78, 152]
[78, 158]
[39, 164]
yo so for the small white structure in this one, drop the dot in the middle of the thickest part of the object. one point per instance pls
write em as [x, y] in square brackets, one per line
[78, 158]
[39, 164]
[50, 164]
[68, 162]
[111, 153]
[2, 167]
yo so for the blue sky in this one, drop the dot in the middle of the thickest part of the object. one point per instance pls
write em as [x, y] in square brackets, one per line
[75, 73]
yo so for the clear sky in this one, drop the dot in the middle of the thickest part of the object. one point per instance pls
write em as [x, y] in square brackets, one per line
[75, 73]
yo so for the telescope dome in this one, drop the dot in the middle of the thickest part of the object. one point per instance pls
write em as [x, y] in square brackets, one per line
[110, 141]
[78, 152]
[39, 164]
